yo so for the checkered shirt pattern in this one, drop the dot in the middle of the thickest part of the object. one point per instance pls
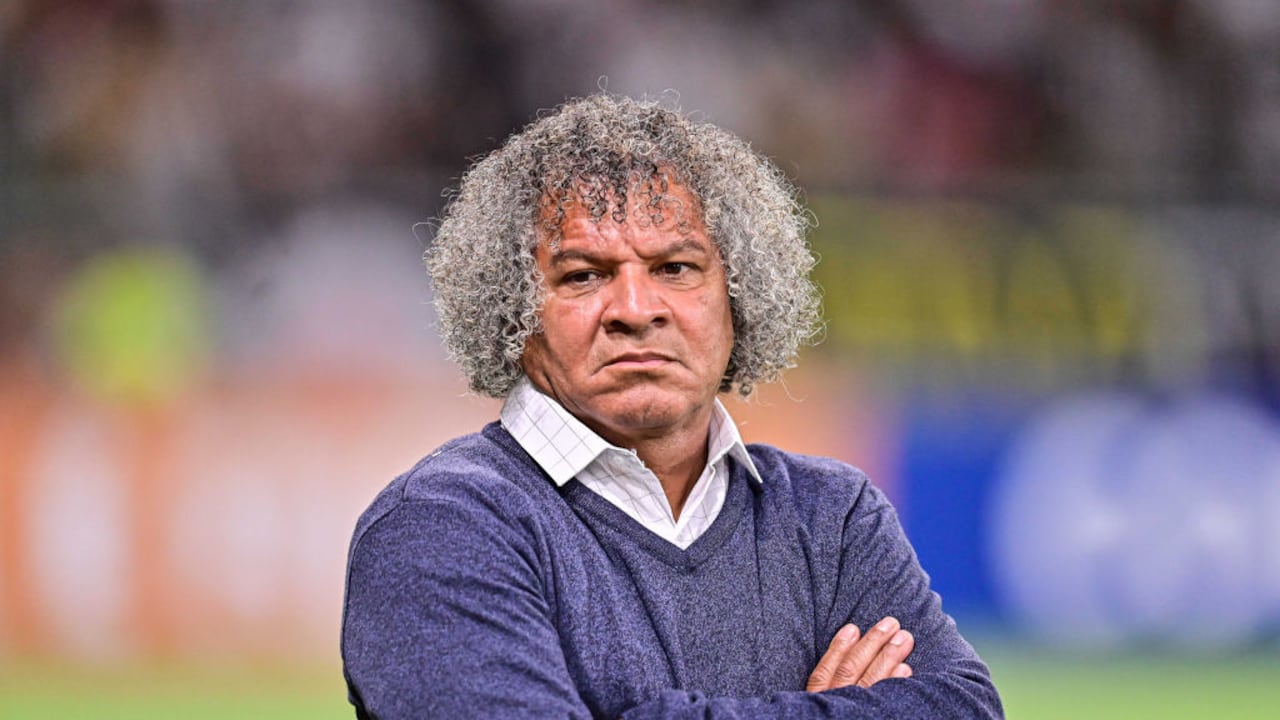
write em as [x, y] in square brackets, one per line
[565, 448]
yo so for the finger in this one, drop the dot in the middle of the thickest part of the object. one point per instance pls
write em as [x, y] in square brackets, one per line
[858, 659]
[891, 655]
[902, 671]
[820, 678]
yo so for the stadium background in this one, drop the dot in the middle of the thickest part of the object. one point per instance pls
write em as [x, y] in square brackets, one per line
[1050, 240]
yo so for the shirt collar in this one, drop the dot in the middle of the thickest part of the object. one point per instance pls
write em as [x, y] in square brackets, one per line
[563, 446]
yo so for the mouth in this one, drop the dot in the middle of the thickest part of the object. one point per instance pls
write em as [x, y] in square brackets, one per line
[638, 360]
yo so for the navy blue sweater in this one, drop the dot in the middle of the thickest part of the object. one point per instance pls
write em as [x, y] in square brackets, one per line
[477, 588]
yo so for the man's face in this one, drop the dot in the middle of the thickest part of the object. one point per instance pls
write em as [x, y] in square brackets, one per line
[636, 323]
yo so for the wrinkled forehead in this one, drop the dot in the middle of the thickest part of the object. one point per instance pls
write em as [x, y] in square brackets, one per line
[655, 200]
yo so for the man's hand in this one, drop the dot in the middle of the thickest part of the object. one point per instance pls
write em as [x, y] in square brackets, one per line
[864, 660]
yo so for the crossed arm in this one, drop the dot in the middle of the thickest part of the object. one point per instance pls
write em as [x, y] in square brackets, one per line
[866, 674]
[422, 637]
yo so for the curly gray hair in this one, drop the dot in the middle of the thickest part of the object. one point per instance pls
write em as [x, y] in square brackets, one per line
[596, 150]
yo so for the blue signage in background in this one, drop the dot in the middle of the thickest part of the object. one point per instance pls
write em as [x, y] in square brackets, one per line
[1100, 518]
[951, 449]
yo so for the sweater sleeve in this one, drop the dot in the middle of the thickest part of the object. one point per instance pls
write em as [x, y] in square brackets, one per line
[879, 575]
[445, 617]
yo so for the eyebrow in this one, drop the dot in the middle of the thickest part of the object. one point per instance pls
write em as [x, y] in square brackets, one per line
[560, 257]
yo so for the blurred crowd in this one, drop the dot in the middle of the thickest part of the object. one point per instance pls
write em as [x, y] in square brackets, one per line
[219, 129]
[225, 203]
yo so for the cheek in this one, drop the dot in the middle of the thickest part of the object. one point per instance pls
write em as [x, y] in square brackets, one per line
[727, 335]
[533, 360]
[719, 327]
[584, 319]
[570, 329]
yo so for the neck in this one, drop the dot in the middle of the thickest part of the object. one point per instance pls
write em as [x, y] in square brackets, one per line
[678, 463]
[676, 453]
[676, 456]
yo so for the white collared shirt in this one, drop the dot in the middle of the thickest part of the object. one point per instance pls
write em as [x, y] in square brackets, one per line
[565, 448]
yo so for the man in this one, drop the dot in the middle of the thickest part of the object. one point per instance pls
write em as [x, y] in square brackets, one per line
[611, 548]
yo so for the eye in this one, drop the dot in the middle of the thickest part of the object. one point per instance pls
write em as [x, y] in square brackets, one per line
[674, 269]
[580, 278]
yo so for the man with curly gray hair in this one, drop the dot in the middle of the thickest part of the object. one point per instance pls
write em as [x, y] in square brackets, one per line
[611, 547]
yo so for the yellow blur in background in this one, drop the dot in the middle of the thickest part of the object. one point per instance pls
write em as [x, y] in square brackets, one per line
[1048, 238]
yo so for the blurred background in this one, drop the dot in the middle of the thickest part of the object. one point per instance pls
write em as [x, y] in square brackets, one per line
[1050, 241]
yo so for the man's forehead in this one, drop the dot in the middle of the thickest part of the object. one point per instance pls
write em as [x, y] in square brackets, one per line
[655, 201]
[590, 247]
[644, 229]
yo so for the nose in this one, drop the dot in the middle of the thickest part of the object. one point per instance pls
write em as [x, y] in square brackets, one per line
[636, 303]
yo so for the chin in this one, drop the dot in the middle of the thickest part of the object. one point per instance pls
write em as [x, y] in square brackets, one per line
[640, 409]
